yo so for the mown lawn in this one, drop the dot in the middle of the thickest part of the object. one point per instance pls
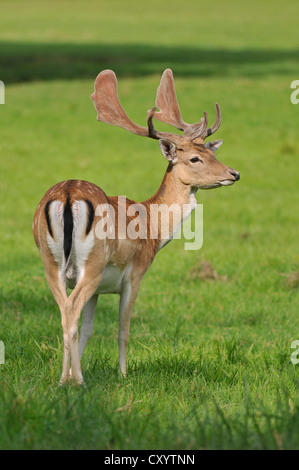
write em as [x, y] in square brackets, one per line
[209, 356]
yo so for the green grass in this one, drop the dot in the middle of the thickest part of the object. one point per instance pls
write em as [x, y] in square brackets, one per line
[209, 360]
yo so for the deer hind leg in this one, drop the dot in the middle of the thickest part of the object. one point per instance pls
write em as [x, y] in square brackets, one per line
[80, 296]
[58, 288]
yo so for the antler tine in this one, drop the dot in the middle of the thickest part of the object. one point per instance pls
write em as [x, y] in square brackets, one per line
[176, 139]
[216, 125]
[201, 129]
[151, 130]
[169, 113]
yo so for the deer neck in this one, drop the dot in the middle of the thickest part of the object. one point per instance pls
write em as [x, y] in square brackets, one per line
[173, 191]
[175, 198]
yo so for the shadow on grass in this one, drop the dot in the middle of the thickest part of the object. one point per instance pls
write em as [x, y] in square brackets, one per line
[22, 62]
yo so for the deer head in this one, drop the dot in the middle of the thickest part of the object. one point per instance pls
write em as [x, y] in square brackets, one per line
[192, 159]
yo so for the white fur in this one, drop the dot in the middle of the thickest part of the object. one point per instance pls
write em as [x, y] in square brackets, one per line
[111, 280]
[226, 182]
[55, 243]
[81, 244]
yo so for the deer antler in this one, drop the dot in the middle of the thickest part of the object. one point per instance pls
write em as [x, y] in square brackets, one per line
[169, 113]
[109, 109]
[107, 104]
[216, 125]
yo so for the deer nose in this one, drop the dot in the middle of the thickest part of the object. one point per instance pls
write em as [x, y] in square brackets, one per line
[235, 174]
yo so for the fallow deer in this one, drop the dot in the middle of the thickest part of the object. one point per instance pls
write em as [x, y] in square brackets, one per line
[65, 222]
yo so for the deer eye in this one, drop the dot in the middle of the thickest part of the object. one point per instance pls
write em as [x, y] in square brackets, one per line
[195, 159]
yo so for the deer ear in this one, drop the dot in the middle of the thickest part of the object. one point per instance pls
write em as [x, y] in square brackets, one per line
[214, 145]
[168, 150]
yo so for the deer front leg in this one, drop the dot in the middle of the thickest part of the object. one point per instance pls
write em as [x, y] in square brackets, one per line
[127, 299]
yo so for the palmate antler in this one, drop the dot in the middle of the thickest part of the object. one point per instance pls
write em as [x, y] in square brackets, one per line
[169, 113]
[109, 110]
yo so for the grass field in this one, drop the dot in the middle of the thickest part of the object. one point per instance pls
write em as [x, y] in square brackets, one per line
[209, 359]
